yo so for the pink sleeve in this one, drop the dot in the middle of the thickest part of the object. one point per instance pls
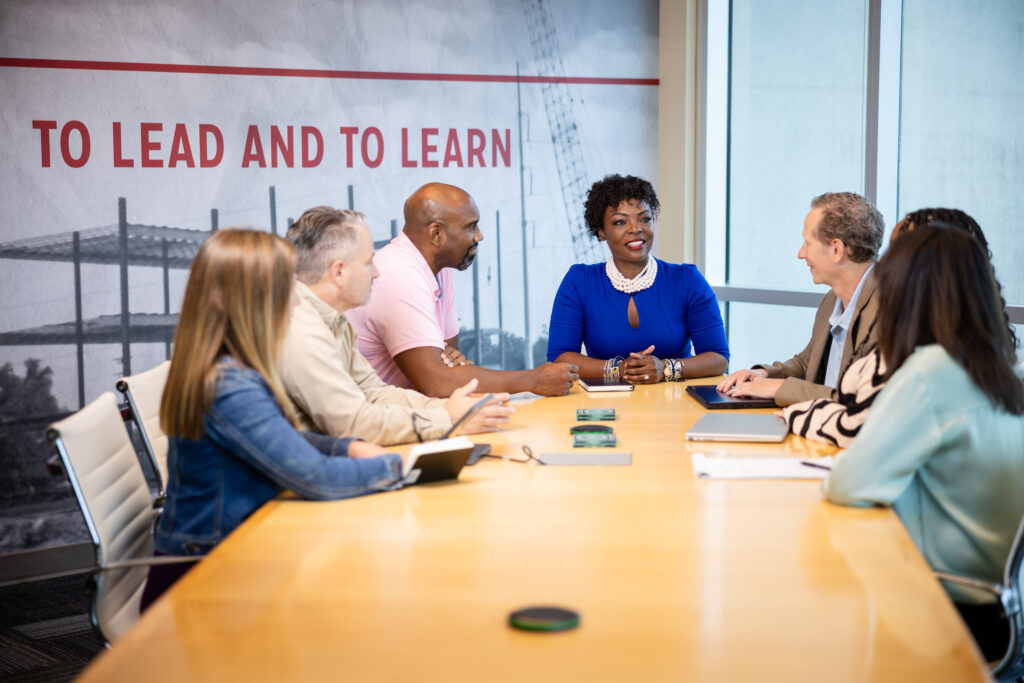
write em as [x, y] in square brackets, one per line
[404, 313]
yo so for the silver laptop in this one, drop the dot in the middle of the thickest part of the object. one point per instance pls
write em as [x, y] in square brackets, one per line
[738, 427]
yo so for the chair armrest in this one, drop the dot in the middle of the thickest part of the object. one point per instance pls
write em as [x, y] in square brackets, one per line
[147, 562]
[986, 586]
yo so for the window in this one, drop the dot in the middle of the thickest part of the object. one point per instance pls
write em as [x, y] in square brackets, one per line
[913, 104]
[796, 129]
[962, 105]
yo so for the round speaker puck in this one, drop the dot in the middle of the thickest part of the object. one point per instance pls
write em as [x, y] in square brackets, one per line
[544, 619]
[587, 429]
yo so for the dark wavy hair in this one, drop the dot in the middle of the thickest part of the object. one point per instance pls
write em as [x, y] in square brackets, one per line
[611, 191]
[955, 218]
[936, 286]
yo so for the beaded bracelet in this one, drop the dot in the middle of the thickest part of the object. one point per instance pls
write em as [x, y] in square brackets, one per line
[611, 367]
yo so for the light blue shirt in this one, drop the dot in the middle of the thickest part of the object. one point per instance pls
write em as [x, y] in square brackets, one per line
[949, 462]
[840, 322]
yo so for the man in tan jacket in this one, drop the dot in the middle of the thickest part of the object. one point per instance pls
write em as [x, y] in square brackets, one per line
[333, 387]
[842, 235]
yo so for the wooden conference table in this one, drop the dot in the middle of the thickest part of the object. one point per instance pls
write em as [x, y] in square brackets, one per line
[675, 578]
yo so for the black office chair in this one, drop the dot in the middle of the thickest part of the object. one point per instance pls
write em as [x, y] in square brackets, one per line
[1011, 666]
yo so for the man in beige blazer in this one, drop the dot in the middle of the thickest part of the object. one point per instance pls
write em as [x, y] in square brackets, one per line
[332, 386]
[842, 235]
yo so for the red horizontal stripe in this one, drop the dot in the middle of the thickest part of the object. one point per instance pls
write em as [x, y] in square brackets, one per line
[309, 73]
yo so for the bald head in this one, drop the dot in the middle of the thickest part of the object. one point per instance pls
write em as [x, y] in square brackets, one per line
[431, 203]
[441, 220]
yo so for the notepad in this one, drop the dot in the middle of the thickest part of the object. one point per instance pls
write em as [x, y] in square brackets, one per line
[706, 467]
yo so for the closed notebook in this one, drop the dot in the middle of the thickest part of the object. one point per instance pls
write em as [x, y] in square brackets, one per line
[603, 384]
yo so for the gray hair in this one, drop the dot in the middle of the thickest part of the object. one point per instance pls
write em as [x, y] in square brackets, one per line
[851, 219]
[321, 236]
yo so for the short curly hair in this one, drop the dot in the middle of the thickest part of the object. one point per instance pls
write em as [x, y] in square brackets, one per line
[611, 191]
[852, 219]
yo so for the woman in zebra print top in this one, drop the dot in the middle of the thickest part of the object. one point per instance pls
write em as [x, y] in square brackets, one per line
[838, 421]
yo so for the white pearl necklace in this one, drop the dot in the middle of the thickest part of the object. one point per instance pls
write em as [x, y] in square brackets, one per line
[630, 286]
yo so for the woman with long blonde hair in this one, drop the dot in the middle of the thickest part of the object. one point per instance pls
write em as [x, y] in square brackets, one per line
[233, 444]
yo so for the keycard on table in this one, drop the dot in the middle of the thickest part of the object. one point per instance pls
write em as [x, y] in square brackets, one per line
[594, 440]
[595, 414]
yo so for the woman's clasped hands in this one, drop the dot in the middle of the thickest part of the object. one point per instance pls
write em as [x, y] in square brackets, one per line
[642, 368]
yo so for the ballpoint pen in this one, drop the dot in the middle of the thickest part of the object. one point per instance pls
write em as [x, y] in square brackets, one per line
[814, 464]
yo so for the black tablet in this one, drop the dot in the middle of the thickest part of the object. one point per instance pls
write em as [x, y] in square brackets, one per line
[437, 460]
[712, 399]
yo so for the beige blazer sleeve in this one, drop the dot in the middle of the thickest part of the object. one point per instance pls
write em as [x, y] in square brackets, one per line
[800, 371]
[336, 391]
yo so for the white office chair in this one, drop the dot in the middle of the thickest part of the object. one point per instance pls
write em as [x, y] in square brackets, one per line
[112, 492]
[1011, 666]
[142, 393]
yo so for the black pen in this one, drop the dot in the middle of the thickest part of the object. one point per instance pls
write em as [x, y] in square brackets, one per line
[814, 464]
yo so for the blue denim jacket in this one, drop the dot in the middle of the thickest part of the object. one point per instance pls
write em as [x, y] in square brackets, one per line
[247, 455]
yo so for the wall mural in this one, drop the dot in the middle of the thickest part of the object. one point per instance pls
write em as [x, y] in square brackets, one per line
[132, 130]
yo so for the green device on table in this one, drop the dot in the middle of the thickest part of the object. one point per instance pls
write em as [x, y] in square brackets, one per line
[595, 414]
[544, 619]
[594, 440]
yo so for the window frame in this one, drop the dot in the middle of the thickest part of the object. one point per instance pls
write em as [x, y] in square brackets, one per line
[882, 139]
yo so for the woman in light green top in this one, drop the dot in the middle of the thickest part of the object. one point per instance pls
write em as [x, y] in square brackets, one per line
[944, 444]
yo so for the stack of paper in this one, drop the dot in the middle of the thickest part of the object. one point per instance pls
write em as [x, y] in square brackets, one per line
[760, 468]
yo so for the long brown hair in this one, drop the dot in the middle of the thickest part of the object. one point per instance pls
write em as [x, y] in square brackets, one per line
[236, 303]
[936, 286]
[955, 218]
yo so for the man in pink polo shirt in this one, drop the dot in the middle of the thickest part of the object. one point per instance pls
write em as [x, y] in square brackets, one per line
[411, 318]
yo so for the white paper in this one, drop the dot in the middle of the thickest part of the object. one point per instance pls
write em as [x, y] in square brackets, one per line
[759, 468]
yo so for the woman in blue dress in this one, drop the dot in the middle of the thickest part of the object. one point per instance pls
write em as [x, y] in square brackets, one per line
[638, 317]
